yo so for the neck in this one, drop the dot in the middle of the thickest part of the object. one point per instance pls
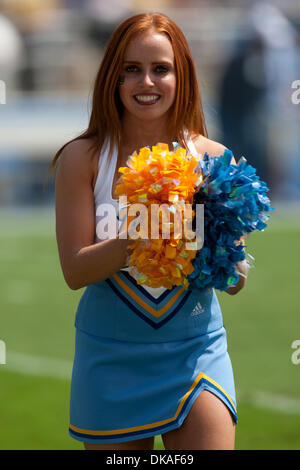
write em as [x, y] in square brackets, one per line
[137, 134]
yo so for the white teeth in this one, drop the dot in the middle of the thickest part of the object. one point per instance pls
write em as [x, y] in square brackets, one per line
[147, 98]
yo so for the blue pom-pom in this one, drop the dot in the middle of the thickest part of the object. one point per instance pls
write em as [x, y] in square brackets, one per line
[235, 203]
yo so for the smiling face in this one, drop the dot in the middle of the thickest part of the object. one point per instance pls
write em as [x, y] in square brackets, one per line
[148, 75]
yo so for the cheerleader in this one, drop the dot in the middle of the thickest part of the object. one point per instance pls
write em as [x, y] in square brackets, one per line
[147, 361]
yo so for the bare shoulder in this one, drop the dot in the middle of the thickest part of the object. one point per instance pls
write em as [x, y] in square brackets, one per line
[203, 144]
[77, 159]
[213, 148]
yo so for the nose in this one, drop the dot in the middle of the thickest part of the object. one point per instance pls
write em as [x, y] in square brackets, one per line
[147, 79]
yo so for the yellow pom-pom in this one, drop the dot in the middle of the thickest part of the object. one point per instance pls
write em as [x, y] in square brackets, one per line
[161, 177]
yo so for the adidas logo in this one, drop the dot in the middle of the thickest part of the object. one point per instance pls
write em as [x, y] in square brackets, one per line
[197, 310]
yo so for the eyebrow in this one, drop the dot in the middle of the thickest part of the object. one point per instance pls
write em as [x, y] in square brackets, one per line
[165, 62]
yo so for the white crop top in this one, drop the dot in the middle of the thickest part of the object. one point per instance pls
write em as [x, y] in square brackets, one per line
[105, 204]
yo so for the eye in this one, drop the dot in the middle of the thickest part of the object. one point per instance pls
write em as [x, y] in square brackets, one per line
[161, 69]
[131, 68]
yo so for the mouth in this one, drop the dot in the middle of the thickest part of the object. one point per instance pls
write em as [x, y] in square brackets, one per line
[147, 99]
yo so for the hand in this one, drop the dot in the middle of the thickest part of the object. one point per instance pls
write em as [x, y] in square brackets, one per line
[242, 270]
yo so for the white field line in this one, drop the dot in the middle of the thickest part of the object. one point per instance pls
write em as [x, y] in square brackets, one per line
[61, 369]
[37, 365]
[273, 402]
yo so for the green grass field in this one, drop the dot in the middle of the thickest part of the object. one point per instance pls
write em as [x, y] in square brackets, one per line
[37, 317]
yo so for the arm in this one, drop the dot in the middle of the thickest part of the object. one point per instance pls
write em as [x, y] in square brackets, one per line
[82, 261]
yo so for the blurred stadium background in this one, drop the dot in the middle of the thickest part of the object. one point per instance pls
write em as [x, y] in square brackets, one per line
[248, 60]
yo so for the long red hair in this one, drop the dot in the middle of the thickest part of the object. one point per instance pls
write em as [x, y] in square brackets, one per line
[186, 111]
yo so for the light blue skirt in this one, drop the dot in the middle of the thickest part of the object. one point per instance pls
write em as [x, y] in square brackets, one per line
[140, 362]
